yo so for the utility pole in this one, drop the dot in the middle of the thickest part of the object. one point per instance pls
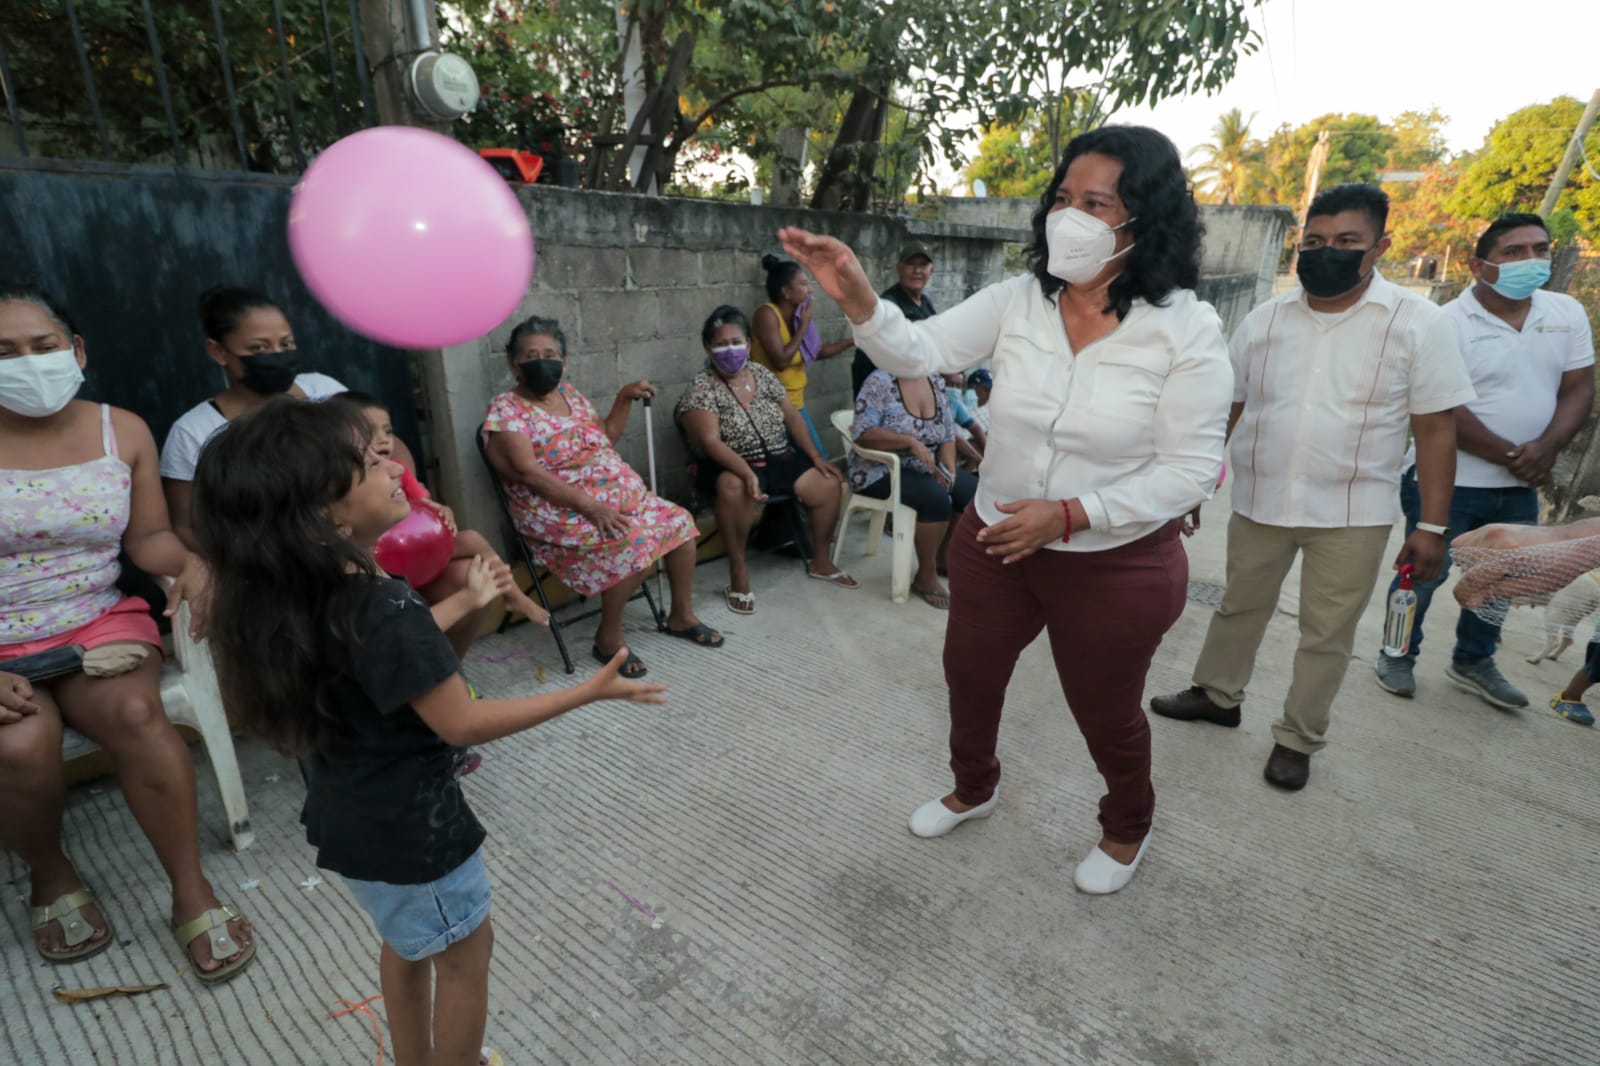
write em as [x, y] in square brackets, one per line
[1314, 165]
[392, 35]
[1570, 159]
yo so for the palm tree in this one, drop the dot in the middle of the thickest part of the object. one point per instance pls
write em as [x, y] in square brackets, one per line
[1231, 163]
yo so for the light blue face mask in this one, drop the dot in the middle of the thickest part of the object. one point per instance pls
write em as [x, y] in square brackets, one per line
[1520, 279]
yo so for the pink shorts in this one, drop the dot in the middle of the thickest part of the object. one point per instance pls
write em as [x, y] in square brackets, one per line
[128, 620]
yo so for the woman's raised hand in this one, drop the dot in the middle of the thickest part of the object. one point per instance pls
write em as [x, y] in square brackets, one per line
[836, 269]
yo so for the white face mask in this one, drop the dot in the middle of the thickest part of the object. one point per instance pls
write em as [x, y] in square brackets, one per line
[37, 386]
[1080, 245]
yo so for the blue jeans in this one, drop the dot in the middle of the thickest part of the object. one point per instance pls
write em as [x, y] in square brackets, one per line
[1470, 508]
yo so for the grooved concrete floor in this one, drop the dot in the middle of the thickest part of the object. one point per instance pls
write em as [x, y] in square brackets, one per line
[729, 879]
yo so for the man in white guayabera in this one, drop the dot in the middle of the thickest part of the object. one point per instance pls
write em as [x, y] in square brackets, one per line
[1327, 379]
[1531, 357]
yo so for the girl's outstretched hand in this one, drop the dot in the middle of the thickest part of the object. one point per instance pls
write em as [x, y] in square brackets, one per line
[609, 684]
[836, 269]
[481, 583]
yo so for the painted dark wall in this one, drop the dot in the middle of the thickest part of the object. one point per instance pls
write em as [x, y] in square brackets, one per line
[130, 249]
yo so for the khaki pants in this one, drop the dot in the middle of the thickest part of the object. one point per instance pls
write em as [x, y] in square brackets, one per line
[1338, 573]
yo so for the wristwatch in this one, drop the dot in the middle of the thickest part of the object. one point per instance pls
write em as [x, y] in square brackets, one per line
[1429, 527]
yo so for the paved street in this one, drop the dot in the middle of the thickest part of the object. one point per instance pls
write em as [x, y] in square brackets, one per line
[729, 879]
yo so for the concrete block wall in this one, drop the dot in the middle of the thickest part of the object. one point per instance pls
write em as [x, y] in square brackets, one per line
[631, 279]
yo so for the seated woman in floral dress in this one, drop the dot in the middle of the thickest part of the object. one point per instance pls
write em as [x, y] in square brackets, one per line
[912, 416]
[584, 513]
[752, 443]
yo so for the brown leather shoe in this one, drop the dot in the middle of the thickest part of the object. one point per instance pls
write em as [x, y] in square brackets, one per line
[1288, 769]
[1193, 705]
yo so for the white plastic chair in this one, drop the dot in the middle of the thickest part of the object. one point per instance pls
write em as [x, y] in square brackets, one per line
[192, 697]
[904, 553]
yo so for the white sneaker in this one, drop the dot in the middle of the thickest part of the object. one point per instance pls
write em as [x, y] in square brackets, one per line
[1101, 875]
[934, 819]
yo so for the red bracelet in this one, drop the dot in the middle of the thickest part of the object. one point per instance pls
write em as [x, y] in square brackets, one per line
[1066, 509]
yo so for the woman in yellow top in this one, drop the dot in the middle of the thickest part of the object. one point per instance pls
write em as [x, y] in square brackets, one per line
[783, 326]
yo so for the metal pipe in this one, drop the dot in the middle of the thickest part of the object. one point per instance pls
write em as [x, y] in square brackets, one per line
[363, 86]
[421, 26]
[227, 85]
[88, 81]
[333, 70]
[288, 86]
[161, 82]
[11, 103]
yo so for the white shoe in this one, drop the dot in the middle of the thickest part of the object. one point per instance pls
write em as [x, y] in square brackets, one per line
[1101, 875]
[934, 819]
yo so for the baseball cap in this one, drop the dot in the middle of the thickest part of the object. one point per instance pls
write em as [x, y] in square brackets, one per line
[980, 379]
[911, 249]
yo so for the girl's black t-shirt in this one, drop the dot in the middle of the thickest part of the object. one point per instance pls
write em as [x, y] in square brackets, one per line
[385, 802]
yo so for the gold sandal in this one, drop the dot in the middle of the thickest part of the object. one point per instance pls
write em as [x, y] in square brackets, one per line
[224, 949]
[68, 910]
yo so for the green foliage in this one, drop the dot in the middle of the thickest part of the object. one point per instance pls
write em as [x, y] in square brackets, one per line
[58, 120]
[1514, 167]
[1418, 140]
[1358, 148]
[1012, 163]
[1422, 222]
[1232, 166]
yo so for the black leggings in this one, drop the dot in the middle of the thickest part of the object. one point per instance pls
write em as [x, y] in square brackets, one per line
[924, 495]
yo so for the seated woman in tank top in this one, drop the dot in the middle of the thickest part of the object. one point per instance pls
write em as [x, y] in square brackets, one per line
[80, 486]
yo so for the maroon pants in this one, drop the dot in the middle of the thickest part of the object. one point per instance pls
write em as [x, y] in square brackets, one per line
[1106, 613]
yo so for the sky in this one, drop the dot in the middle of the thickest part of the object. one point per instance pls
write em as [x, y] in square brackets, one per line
[1476, 60]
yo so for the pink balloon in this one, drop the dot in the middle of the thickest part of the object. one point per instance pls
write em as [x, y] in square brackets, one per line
[1224, 475]
[409, 238]
[417, 547]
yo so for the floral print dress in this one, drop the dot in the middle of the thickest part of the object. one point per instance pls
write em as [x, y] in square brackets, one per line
[576, 449]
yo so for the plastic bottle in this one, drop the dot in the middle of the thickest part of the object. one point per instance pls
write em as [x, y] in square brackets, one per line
[1402, 612]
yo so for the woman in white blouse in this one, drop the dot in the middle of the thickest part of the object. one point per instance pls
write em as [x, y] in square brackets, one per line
[1111, 393]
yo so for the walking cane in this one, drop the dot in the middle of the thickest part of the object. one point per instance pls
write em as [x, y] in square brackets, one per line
[650, 458]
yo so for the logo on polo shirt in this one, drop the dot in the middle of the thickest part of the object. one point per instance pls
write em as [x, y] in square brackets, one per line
[1552, 329]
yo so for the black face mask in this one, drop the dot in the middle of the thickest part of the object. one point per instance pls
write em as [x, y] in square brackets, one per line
[541, 376]
[270, 372]
[1329, 272]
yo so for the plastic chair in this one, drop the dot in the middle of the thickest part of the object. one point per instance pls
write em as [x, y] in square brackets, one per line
[538, 573]
[904, 552]
[191, 696]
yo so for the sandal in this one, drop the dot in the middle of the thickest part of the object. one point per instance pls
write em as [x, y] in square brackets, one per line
[75, 929]
[838, 577]
[224, 949]
[633, 667]
[488, 1056]
[700, 633]
[739, 602]
[939, 598]
[1572, 710]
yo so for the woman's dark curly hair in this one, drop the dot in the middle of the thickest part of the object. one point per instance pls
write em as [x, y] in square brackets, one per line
[1165, 226]
[262, 491]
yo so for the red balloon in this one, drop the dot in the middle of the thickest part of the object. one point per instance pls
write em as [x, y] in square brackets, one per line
[417, 547]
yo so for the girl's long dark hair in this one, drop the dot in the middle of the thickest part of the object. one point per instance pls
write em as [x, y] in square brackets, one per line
[1165, 226]
[262, 490]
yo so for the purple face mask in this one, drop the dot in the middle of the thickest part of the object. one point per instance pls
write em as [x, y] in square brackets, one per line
[730, 360]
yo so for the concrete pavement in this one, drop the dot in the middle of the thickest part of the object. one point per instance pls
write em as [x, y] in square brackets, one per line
[729, 879]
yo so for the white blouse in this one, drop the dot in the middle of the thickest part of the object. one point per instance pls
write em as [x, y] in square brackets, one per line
[1132, 426]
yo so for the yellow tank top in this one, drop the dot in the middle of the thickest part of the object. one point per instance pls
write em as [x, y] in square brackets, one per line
[793, 377]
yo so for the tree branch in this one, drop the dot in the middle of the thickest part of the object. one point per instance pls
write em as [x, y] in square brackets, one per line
[688, 127]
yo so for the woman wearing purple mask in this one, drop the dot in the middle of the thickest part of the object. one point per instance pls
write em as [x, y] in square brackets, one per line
[750, 443]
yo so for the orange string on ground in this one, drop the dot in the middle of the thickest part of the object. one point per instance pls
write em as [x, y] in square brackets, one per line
[352, 1008]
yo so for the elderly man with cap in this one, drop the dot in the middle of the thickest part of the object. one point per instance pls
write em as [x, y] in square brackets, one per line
[915, 268]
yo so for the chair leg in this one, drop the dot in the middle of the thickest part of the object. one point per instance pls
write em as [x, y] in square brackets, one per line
[544, 601]
[797, 531]
[843, 524]
[875, 531]
[655, 611]
[905, 552]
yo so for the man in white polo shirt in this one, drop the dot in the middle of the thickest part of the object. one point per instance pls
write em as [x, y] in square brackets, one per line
[1327, 379]
[1531, 357]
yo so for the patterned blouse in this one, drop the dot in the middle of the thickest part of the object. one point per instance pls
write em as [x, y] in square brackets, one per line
[880, 405]
[743, 429]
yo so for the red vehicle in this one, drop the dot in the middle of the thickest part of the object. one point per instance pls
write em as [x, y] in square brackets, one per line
[515, 165]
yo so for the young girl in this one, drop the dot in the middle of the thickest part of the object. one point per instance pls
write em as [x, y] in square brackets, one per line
[328, 658]
[469, 544]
